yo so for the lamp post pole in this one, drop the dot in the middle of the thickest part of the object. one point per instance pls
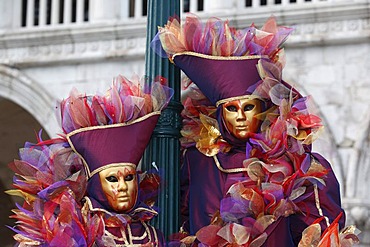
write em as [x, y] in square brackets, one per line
[164, 148]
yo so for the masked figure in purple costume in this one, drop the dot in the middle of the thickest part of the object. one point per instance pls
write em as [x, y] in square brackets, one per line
[105, 137]
[248, 176]
[111, 153]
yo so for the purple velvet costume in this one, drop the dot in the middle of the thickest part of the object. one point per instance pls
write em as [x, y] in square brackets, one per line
[204, 185]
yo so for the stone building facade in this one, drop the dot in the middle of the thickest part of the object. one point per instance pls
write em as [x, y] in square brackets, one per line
[49, 46]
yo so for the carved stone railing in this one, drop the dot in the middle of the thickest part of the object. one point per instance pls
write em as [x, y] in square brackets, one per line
[326, 22]
[41, 13]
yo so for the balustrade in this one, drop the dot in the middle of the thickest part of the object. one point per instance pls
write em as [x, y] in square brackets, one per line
[39, 13]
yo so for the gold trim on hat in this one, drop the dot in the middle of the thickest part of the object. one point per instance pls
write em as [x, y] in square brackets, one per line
[85, 129]
[247, 96]
[97, 170]
[140, 119]
[231, 58]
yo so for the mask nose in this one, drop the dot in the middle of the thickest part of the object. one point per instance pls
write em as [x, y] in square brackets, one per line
[241, 116]
[122, 185]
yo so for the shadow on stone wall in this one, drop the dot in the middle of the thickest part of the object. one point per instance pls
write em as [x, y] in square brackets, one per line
[17, 126]
[7, 205]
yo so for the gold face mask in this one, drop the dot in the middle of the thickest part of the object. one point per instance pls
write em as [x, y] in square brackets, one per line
[240, 117]
[120, 186]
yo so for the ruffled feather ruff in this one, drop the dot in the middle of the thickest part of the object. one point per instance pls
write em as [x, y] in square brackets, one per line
[200, 127]
[218, 38]
[332, 236]
[125, 101]
[51, 180]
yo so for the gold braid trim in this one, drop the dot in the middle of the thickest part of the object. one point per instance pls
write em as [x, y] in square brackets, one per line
[111, 165]
[232, 170]
[156, 241]
[140, 119]
[220, 102]
[317, 201]
[196, 54]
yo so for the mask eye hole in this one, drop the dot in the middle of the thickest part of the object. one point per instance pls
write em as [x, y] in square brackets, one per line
[112, 179]
[129, 177]
[231, 108]
[249, 107]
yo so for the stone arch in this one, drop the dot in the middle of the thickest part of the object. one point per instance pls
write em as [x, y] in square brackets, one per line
[359, 164]
[329, 150]
[326, 144]
[17, 87]
[357, 202]
[17, 126]
[359, 169]
[25, 107]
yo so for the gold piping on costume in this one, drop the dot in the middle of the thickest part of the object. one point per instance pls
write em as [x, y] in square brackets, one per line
[196, 54]
[131, 237]
[123, 238]
[128, 245]
[129, 242]
[92, 209]
[68, 136]
[86, 167]
[317, 202]
[155, 235]
[222, 101]
[145, 234]
[232, 170]
[137, 238]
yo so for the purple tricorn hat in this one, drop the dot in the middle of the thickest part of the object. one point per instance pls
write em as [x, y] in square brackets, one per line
[113, 129]
[220, 59]
[113, 145]
[226, 78]
[220, 78]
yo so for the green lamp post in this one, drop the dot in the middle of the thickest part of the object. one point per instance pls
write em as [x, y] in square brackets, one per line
[164, 148]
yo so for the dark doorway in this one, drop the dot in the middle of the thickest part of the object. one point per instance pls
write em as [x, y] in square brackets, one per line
[16, 127]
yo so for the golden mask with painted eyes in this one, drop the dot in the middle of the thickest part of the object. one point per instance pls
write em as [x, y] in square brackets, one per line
[240, 117]
[120, 186]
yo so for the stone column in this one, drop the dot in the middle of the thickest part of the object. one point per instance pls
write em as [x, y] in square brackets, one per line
[105, 10]
[164, 148]
[217, 5]
[10, 14]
